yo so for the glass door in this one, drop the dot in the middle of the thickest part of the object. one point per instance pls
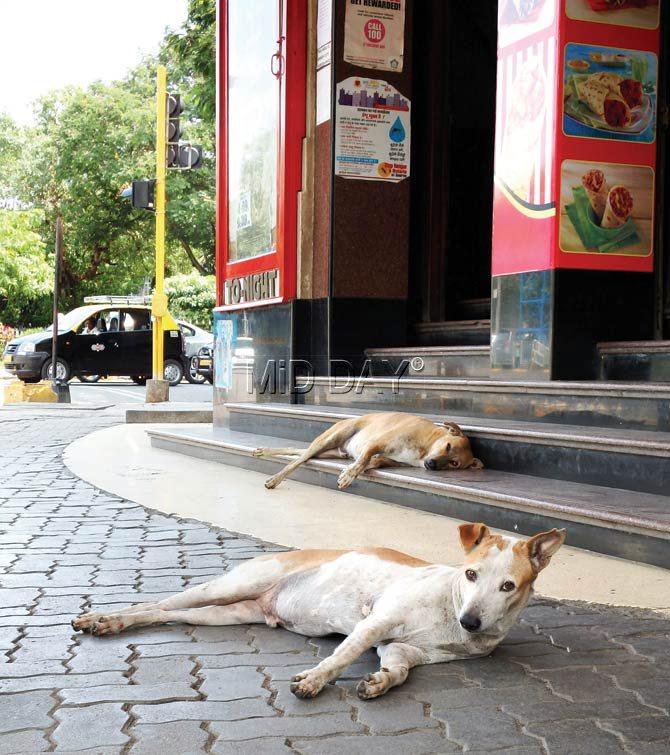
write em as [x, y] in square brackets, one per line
[261, 124]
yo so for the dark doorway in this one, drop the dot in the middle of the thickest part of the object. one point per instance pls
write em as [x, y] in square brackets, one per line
[455, 54]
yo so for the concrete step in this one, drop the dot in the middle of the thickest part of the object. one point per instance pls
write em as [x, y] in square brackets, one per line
[631, 525]
[454, 333]
[642, 406]
[432, 361]
[628, 459]
[647, 361]
[170, 412]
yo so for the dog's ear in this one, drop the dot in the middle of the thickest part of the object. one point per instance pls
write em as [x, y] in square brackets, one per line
[541, 547]
[453, 428]
[476, 463]
[472, 535]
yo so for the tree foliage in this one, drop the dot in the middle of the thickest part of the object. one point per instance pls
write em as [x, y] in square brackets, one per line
[87, 143]
[192, 297]
[193, 49]
[26, 273]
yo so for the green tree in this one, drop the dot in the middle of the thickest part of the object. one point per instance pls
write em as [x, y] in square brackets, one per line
[192, 297]
[26, 273]
[193, 51]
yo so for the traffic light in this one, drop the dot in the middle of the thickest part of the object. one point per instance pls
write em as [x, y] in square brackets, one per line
[174, 110]
[190, 156]
[180, 156]
[143, 194]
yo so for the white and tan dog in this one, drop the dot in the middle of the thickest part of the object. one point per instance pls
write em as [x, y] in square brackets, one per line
[383, 439]
[412, 611]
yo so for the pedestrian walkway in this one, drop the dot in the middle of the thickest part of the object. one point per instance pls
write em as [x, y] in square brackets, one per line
[571, 678]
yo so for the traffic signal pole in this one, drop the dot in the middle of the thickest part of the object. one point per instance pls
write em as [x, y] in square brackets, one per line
[157, 391]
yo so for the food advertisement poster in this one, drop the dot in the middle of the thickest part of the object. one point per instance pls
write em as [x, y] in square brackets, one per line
[524, 200]
[609, 93]
[640, 14]
[372, 134]
[374, 34]
[606, 208]
[606, 146]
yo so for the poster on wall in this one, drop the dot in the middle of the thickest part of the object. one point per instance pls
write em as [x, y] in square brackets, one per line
[225, 341]
[374, 34]
[372, 133]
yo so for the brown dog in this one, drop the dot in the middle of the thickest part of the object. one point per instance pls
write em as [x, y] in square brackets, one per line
[383, 439]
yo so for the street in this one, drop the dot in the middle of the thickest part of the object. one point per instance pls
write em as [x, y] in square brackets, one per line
[120, 391]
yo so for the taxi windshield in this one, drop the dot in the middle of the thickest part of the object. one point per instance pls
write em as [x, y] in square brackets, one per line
[70, 320]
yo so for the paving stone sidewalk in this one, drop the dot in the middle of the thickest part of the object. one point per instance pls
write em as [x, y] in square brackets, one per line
[570, 678]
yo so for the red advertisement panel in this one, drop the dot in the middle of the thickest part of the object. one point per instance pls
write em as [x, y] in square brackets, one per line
[524, 208]
[576, 135]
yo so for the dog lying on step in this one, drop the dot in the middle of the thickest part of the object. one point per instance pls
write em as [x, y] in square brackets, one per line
[412, 611]
[383, 439]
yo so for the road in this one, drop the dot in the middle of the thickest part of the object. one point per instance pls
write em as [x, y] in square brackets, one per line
[126, 392]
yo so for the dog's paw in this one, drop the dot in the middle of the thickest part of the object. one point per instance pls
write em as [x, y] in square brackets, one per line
[373, 685]
[259, 452]
[272, 482]
[308, 683]
[85, 622]
[345, 479]
[108, 625]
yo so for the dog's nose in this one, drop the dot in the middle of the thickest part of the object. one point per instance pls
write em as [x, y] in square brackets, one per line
[470, 623]
[430, 464]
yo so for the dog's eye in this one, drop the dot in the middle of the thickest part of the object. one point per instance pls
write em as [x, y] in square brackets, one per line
[471, 575]
[455, 463]
[507, 586]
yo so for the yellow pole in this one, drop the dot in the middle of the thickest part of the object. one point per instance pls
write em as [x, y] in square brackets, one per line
[159, 304]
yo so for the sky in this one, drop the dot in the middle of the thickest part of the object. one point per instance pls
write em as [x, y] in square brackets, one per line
[48, 44]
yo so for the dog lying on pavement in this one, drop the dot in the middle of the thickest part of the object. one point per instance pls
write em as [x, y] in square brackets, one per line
[383, 439]
[412, 611]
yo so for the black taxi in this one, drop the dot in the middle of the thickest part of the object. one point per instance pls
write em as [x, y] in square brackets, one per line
[109, 335]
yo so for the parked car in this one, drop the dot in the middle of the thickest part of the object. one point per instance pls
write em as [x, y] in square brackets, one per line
[195, 338]
[109, 335]
[204, 363]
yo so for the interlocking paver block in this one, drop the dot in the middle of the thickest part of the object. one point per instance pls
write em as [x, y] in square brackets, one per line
[415, 742]
[571, 737]
[184, 737]
[232, 683]
[90, 727]
[287, 726]
[29, 741]
[129, 693]
[25, 710]
[203, 711]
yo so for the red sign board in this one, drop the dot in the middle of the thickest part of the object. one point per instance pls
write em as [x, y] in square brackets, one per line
[575, 135]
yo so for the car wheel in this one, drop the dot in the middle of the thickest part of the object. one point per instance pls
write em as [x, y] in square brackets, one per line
[88, 378]
[173, 372]
[192, 376]
[138, 379]
[62, 370]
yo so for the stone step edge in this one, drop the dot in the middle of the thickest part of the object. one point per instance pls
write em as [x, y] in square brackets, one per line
[411, 351]
[547, 438]
[634, 347]
[390, 478]
[604, 389]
